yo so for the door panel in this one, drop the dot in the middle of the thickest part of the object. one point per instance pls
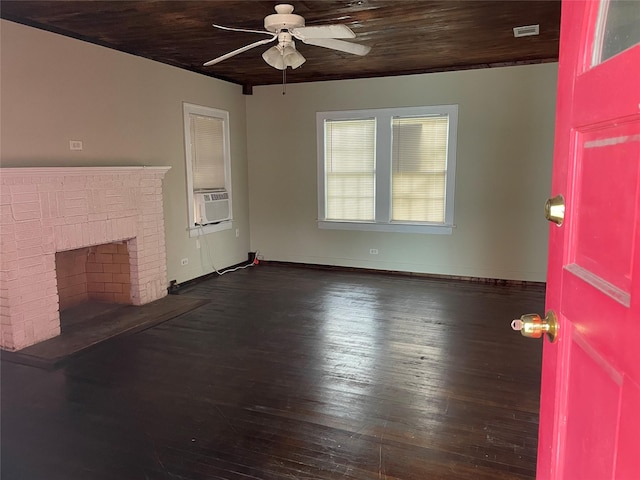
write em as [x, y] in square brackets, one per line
[596, 319]
[628, 464]
[595, 426]
[603, 223]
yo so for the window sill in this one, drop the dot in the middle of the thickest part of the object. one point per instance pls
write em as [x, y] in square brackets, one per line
[211, 228]
[387, 227]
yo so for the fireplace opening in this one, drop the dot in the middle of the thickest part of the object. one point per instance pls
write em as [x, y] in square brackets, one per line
[92, 281]
[57, 209]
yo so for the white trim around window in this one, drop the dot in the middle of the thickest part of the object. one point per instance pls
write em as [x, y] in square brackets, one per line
[358, 172]
[212, 136]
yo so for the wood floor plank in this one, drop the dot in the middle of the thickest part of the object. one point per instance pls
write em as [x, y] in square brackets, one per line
[293, 373]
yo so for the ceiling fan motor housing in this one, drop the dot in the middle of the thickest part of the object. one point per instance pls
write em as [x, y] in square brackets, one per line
[283, 19]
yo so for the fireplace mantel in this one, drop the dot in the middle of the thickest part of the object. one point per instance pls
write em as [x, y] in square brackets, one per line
[83, 171]
[44, 210]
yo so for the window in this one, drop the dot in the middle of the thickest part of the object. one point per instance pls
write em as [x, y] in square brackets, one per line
[350, 169]
[208, 166]
[389, 170]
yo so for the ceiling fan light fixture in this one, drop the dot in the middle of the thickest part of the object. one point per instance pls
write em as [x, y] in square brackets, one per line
[273, 57]
[292, 57]
[282, 57]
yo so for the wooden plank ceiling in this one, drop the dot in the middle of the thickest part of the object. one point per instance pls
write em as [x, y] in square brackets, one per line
[406, 37]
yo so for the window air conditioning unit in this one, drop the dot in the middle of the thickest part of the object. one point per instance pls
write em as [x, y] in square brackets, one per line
[212, 207]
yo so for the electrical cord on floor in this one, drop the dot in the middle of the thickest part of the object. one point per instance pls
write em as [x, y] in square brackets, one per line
[241, 267]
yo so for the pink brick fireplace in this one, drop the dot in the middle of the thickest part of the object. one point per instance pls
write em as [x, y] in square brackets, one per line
[48, 210]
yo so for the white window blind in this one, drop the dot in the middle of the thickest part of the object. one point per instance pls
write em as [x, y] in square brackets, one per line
[387, 169]
[350, 169]
[419, 168]
[207, 151]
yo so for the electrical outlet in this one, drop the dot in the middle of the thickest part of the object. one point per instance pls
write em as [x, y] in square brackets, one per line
[373, 251]
[75, 144]
[184, 261]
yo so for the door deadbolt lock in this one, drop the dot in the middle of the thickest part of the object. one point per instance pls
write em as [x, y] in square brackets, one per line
[554, 210]
[532, 326]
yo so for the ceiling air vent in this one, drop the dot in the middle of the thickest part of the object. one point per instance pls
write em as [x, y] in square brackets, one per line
[526, 31]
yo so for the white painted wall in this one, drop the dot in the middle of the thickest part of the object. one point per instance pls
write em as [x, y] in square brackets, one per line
[127, 111]
[503, 175]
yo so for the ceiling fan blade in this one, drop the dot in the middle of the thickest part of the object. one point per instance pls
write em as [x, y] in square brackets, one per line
[340, 45]
[232, 29]
[240, 50]
[323, 31]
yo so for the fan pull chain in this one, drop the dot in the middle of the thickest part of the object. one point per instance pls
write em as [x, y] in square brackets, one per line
[284, 80]
[284, 74]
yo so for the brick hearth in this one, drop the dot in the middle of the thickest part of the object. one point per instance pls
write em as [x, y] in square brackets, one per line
[48, 210]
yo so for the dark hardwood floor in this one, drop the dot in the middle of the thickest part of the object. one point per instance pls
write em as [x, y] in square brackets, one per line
[293, 373]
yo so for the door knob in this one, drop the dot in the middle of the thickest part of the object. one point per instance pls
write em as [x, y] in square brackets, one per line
[554, 210]
[532, 326]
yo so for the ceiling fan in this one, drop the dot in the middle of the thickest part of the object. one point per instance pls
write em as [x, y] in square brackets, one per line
[284, 26]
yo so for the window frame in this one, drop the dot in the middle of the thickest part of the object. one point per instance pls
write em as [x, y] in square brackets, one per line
[383, 158]
[188, 109]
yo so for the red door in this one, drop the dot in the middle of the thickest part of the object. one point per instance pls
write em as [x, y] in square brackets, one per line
[590, 401]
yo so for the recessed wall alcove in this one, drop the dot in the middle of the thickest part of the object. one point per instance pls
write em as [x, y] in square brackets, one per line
[93, 217]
